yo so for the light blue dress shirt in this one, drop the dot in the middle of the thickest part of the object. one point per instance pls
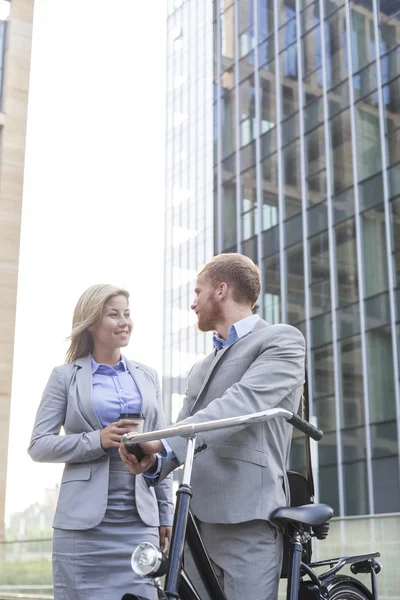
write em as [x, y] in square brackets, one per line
[235, 332]
[114, 391]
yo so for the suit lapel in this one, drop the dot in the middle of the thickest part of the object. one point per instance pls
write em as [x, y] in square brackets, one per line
[84, 384]
[217, 357]
[139, 379]
[215, 360]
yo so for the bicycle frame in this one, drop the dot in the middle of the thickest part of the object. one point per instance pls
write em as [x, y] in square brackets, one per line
[177, 583]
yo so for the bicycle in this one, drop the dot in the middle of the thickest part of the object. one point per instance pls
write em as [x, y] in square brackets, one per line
[301, 524]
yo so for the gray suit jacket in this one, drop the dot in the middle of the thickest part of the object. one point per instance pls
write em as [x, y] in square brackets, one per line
[240, 474]
[67, 402]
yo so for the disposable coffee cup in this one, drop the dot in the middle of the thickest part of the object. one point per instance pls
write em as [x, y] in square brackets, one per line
[139, 417]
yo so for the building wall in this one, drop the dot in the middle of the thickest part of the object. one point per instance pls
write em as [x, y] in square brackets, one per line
[12, 151]
[307, 140]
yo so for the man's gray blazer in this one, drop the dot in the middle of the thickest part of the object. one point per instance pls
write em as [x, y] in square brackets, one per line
[67, 402]
[240, 475]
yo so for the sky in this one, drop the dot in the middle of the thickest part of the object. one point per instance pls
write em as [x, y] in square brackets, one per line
[93, 205]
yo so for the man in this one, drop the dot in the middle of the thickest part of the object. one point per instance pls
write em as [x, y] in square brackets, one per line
[239, 476]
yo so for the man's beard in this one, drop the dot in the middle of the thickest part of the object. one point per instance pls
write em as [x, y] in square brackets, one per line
[208, 318]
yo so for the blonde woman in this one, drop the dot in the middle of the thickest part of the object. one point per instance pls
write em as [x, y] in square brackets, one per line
[103, 511]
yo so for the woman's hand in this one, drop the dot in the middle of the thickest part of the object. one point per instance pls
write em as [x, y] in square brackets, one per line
[110, 436]
[165, 538]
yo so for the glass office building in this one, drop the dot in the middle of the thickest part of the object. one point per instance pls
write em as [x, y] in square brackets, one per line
[306, 181]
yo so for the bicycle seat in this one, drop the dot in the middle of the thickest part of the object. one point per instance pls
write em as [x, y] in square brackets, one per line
[310, 514]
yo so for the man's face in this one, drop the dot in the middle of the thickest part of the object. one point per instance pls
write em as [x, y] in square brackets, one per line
[206, 305]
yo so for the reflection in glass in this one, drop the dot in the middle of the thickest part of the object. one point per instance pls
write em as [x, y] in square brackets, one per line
[341, 152]
[227, 38]
[355, 485]
[336, 42]
[295, 283]
[229, 213]
[368, 151]
[351, 383]
[346, 263]
[228, 123]
[385, 473]
[324, 382]
[375, 254]
[320, 274]
[272, 294]
[380, 374]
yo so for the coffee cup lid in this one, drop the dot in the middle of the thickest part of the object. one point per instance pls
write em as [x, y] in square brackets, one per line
[131, 416]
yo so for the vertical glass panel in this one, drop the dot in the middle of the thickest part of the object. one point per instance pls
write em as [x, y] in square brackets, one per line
[249, 190]
[324, 381]
[385, 473]
[321, 329]
[247, 96]
[341, 152]
[384, 440]
[396, 241]
[363, 50]
[346, 263]
[295, 283]
[312, 57]
[292, 179]
[393, 147]
[352, 384]
[320, 274]
[374, 251]
[289, 100]
[310, 16]
[287, 34]
[246, 14]
[267, 93]
[270, 191]
[265, 18]
[227, 38]
[329, 487]
[325, 411]
[249, 203]
[336, 48]
[381, 375]
[355, 485]
[228, 123]
[289, 62]
[353, 444]
[269, 209]
[229, 227]
[391, 100]
[272, 293]
[316, 165]
[368, 146]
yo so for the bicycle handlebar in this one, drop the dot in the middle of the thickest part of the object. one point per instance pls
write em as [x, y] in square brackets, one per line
[193, 428]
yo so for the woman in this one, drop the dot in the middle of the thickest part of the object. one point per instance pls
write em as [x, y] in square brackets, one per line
[103, 511]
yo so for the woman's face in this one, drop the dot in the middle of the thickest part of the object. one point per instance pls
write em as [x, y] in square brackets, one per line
[114, 328]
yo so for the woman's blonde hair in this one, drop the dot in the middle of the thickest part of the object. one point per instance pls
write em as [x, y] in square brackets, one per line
[88, 311]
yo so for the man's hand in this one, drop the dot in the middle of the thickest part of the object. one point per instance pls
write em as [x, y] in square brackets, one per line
[132, 463]
[165, 538]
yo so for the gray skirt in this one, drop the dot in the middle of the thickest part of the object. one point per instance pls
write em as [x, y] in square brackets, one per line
[94, 564]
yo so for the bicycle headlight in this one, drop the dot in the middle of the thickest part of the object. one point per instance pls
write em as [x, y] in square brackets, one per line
[149, 561]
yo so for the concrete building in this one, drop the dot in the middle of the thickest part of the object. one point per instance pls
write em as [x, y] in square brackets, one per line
[15, 56]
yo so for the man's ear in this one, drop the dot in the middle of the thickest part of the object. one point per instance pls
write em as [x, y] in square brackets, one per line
[222, 290]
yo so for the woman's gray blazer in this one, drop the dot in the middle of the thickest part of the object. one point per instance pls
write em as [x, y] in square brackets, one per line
[67, 402]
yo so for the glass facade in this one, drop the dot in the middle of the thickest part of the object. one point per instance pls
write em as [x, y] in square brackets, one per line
[304, 126]
[307, 172]
[189, 215]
